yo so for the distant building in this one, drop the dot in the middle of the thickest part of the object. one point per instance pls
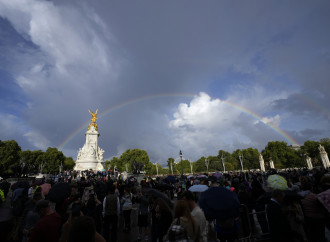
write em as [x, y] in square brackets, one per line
[295, 147]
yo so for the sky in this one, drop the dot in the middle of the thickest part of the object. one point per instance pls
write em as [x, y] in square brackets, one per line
[165, 76]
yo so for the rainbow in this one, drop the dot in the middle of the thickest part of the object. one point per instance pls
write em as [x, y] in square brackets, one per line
[129, 102]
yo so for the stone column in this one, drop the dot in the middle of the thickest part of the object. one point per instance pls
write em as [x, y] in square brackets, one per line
[271, 163]
[309, 162]
[262, 163]
[324, 157]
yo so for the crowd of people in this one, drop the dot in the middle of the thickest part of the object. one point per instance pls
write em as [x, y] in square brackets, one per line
[291, 205]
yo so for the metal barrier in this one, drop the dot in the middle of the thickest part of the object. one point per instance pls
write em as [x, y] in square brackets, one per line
[253, 226]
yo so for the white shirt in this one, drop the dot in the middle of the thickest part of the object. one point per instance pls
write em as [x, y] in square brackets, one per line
[199, 218]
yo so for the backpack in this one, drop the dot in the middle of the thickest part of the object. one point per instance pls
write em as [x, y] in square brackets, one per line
[111, 205]
[177, 232]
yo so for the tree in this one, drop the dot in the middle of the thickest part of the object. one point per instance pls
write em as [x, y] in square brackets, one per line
[326, 144]
[228, 159]
[69, 163]
[53, 159]
[199, 165]
[251, 158]
[185, 167]
[235, 159]
[311, 149]
[9, 158]
[282, 155]
[32, 160]
[136, 159]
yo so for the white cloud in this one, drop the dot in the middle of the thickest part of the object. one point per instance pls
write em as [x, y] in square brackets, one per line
[275, 121]
[206, 125]
[37, 139]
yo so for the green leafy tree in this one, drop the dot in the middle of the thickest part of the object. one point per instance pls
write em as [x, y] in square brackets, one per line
[282, 155]
[235, 159]
[32, 160]
[151, 169]
[199, 165]
[53, 159]
[136, 160]
[69, 163]
[251, 158]
[185, 167]
[310, 148]
[115, 162]
[325, 142]
[214, 163]
[9, 158]
[228, 159]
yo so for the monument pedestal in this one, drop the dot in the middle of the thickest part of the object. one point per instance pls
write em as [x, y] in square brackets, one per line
[90, 156]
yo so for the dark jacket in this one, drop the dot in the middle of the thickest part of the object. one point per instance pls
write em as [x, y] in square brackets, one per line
[278, 223]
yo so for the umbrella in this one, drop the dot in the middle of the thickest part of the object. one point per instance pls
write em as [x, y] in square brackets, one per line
[277, 182]
[219, 203]
[324, 198]
[217, 174]
[170, 179]
[22, 184]
[45, 188]
[190, 176]
[164, 187]
[59, 192]
[157, 194]
[198, 188]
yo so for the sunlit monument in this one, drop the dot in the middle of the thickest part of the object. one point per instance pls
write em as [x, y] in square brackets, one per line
[324, 157]
[90, 156]
[262, 163]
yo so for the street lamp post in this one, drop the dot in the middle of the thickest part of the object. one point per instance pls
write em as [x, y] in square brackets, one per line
[191, 167]
[181, 163]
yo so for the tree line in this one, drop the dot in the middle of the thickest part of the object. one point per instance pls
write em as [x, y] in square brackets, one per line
[17, 162]
[280, 153]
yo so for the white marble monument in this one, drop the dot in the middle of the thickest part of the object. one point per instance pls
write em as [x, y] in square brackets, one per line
[262, 163]
[309, 162]
[271, 164]
[90, 156]
[324, 157]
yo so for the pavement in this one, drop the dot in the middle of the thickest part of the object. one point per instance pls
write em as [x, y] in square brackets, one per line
[133, 234]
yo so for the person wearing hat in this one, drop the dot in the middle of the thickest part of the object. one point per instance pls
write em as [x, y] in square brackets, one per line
[48, 226]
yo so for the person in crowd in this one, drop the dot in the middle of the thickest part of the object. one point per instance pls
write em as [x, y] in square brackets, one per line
[182, 216]
[197, 214]
[314, 213]
[83, 230]
[163, 216]
[28, 223]
[93, 209]
[48, 226]
[19, 198]
[143, 214]
[111, 207]
[278, 222]
[127, 208]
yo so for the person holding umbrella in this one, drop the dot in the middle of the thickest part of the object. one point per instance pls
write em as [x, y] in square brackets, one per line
[222, 205]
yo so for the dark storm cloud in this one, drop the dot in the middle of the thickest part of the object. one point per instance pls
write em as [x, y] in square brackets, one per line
[81, 55]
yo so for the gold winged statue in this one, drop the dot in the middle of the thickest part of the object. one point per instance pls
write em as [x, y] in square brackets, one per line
[93, 119]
